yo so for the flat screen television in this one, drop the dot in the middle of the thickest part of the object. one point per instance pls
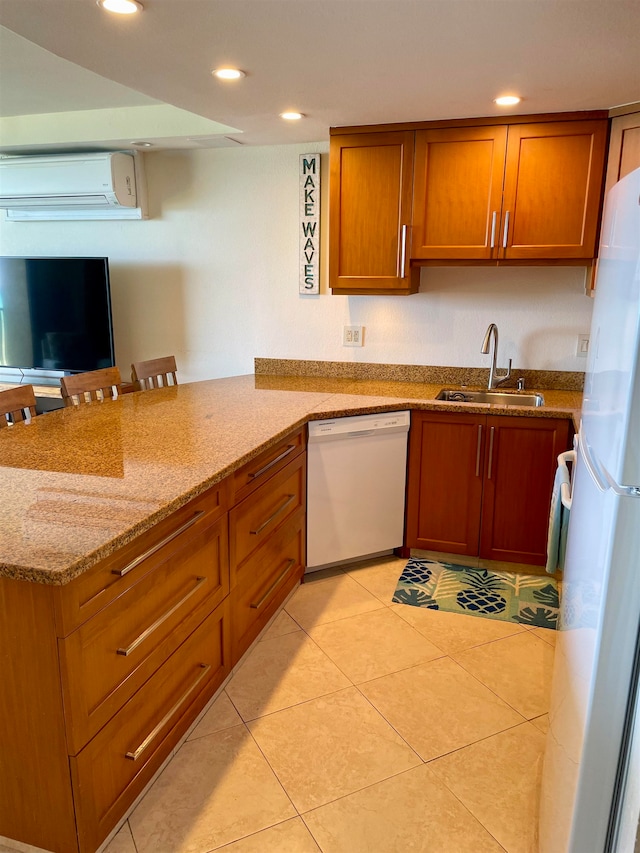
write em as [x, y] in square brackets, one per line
[55, 314]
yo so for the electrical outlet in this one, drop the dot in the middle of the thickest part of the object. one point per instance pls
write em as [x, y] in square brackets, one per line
[582, 346]
[353, 336]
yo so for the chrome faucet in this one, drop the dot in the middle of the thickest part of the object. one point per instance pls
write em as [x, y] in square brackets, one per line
[494, 378]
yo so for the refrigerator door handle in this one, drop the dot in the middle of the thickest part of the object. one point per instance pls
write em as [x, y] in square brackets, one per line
[603, 481]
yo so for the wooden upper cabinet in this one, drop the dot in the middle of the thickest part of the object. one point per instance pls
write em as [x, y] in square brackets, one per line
[508, 192]
[624, 148]
[552, 190]
[370, 213]
[458, 192]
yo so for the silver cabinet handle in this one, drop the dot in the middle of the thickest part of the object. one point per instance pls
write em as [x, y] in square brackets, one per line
[135, 754]
[403, 251]
[280, 509]
[258, 604]
[254, 474]
[158, 545]
[494, 217]
[148, 631]
[491, 452]
[479, 445]
[506, 230]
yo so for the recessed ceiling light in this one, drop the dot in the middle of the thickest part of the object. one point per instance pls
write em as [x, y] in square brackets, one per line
[121, 7]
[228, 73]
[507, 100]
[139, 144]
[291, 116]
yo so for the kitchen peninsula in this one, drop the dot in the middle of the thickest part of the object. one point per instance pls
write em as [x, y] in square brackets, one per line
[135, 571]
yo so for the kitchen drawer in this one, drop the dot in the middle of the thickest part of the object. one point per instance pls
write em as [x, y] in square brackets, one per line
[111, 655]
[253, 520]
[266, 579]
[90, 592]
[263, 467]
[116, 765]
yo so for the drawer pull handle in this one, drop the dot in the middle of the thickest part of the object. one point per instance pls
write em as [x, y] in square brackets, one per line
[135, 755]
[290, 448]
[148, 631]
[158, 545]
[290, 500]
[258, 604]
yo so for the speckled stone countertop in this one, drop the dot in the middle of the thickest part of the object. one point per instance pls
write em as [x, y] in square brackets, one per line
[79, 483]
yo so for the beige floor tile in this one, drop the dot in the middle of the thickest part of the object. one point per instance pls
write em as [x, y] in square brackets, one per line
[216, 790]
[541, 723]
[373, 644]
[518, 669]
[411, 811]
[546, 634]
[282, 672]
[282, 624]
[292, 836]
[329, 600]
[379, 576]
[8, 845]
[122, 842]
[438, 707]
[498, 780]
[330, 747]
[454, 632]
[221, 715]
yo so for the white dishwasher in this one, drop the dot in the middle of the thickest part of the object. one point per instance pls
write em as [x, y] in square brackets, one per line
[355, 487]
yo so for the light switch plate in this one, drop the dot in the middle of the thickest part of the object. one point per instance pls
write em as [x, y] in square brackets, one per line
[353, 336]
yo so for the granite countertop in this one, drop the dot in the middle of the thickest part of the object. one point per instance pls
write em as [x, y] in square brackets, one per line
[79, 483]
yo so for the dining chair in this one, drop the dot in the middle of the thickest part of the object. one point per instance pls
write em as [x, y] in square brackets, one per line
[154, 373]
[90, 387]
[17, 404]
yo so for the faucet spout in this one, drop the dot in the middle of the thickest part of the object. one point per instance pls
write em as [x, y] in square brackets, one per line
[495, 377]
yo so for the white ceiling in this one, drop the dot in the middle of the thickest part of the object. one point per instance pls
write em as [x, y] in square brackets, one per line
[341, 62]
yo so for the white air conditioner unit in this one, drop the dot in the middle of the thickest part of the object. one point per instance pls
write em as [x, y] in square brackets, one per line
[72, 186]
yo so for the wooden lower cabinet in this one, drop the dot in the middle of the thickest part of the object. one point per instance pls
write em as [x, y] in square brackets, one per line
[481, 485]
[114, 767]
[103, 676]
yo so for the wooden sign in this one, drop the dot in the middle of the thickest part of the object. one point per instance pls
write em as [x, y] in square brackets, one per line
[309, 224]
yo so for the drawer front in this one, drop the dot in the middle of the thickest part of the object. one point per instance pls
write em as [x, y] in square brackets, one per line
[258, 516]
[110, 656]
[115, 766]
[248, 478]
[96, 588]
[265, 582]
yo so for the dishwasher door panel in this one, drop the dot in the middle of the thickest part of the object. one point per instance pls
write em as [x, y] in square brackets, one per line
[356, 495]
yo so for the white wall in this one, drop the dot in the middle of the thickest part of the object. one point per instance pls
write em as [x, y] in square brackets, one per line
[213, 278]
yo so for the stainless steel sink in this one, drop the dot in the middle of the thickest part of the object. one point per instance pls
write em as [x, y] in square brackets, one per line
[500, 398]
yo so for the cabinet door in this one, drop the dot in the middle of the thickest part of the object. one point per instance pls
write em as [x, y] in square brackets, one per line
[370, 212]
[624, 148]
[445, 482]
[458, 192]
[552, 189]
[521, 460]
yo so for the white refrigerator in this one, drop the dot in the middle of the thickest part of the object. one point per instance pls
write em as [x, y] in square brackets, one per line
[590, 797]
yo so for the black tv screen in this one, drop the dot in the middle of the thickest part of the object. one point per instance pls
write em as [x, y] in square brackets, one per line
[55, 314]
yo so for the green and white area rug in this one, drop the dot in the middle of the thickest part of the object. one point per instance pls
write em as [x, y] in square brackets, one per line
[528, 599]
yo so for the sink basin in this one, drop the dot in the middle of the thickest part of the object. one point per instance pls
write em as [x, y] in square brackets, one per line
[501, 398]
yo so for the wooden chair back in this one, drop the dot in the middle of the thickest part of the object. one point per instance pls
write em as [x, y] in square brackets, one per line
[95, 385]
[155, 373]
[17, 403]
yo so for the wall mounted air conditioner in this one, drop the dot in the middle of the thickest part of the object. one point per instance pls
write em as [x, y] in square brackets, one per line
[107, 185]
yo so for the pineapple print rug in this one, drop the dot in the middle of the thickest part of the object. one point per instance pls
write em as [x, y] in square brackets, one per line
[529, 599]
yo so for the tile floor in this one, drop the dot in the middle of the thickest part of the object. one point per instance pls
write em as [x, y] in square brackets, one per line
[357, 725]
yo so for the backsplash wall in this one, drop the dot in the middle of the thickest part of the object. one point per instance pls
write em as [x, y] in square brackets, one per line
[213, 278]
